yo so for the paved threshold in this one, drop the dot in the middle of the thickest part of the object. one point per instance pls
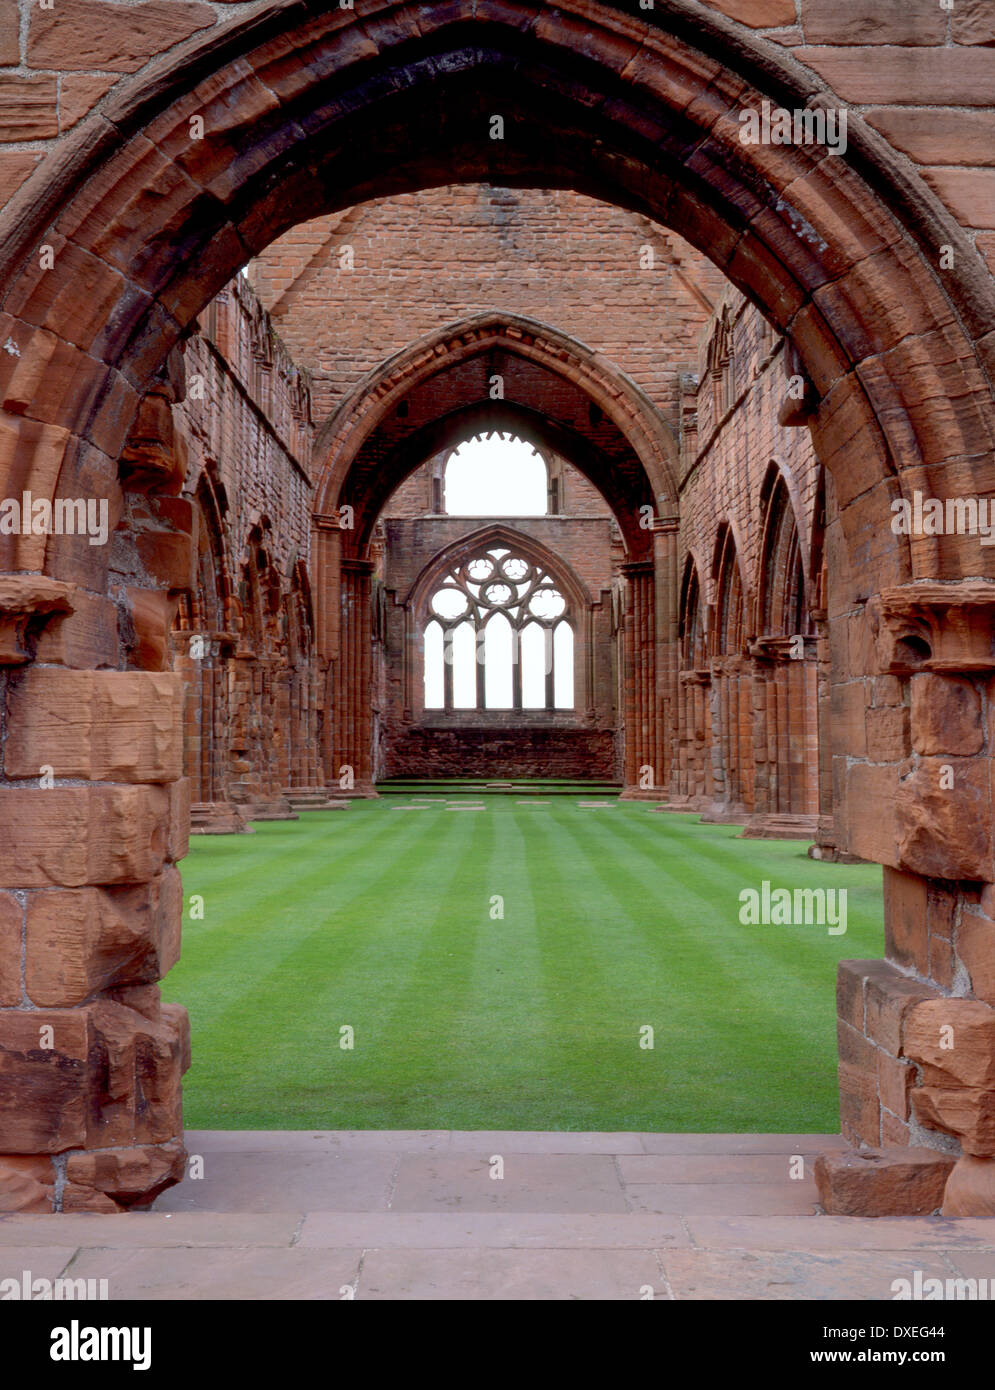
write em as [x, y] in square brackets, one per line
[438, 1214]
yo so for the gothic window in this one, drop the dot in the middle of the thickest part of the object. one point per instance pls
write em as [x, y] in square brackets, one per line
[498, 635]
[783, 610]
[692, 628]
[720, 366]
[729, 589]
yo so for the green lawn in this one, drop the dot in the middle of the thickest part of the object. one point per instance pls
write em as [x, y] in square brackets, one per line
[380, 919]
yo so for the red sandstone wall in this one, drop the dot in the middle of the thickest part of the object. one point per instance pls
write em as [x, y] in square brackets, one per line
[423, 260]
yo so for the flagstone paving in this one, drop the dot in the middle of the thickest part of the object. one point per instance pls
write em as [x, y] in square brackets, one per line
[437, 1214]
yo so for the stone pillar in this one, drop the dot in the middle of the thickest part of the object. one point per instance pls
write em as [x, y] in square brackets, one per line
[785, 739]
[917, 1030]
[666, 641]
[93, 819]
[640, 683]
[351, 769]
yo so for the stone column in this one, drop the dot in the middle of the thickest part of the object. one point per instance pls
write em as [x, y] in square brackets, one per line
[351, 769]
[917, 1030]
[93, 819]
[640, 681]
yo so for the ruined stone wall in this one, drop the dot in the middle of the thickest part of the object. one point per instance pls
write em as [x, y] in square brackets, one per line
[243, 638]
[348, 290]
[746, 743]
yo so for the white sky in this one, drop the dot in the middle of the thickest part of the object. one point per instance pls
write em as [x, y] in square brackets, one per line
[495, 477]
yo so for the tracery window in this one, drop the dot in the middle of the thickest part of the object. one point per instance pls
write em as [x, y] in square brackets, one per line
[498, 635]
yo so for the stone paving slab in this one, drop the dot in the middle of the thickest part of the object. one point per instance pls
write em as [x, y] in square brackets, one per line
[742, 1143]
[513, 1141]
[582, 1183]
[707, 1168]
[725, 1199]
[151, 1228]
[974, 1264]
[490, 1230]
[841, 1233]
[42, 1261]
[304, 1141]
[707, 1274]
[229, 1273]
[463, 1275]
[275, 1182]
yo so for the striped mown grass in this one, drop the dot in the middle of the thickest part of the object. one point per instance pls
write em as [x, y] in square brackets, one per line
[614, 919]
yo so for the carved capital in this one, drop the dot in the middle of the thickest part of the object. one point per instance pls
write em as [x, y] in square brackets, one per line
[29, 603]
[934, 627]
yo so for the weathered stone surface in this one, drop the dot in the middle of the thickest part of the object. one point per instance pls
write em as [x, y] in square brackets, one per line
[889, 998]
[24, 1188]
[967, 1112]
[28, 108]
[101, 725]
[77, 1198]
[954, 1036]
[884, 21]
[28, 604]
[970, 1189]
[946, 715]
[930, 136]
[906, 925]
[83, 639]
[758, 14]
[972, 21]
[81, 34]
[968, 193]
[882, 1182]
[80, 93]
[151, 616]
[136, 1067]
[74, 836]
[44, 1060]
[178, 842]
[11, 929]
[906, 76]
[887, 734]
[976, 949]
[82, 941]
[129, 1176]
[944, 830]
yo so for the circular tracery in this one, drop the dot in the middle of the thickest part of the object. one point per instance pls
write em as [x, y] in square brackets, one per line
[498, 581]
[498, 635]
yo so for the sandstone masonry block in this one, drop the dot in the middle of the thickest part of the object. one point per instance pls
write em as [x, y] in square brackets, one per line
[11, 925]
[81, 941]
[28, 108]
[101, 725]
[970, 1190]
[89, 34]
[882, 1182]
[129, 1176]
[74, 836]
[44, 1059]
[956, 1036]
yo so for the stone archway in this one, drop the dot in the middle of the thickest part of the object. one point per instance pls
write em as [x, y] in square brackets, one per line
[441, 389]
[125, 231]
